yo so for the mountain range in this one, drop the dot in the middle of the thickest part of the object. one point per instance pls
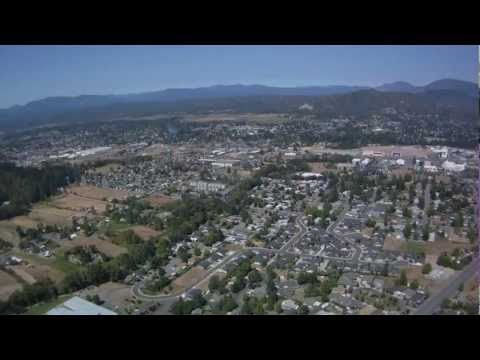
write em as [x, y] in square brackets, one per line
[446, 92]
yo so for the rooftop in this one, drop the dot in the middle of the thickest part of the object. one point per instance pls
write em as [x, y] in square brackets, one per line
[79, 306]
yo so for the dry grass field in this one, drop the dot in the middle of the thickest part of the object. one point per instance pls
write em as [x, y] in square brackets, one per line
[8, 285]
[104, 246]
[159, 200]
[393, 244]
[51, 215]
[8, 232]
[144, 232]
[78, 203]
[93, 192]
[37, 269]
[189, 278]
[117, 294]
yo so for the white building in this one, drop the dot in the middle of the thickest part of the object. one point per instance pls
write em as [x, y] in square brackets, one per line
[204, 186]
[451, 166]
[441, 151]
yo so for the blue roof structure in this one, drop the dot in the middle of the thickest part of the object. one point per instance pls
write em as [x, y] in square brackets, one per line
[79, 306]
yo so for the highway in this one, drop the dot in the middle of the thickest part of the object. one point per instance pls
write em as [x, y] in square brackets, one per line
[434, 302]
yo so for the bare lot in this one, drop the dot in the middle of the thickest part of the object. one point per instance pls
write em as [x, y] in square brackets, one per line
[78, 203]
[189, 278]
[405, 151]
[8, 285]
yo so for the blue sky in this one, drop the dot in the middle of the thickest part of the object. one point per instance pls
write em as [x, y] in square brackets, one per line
[32, 72]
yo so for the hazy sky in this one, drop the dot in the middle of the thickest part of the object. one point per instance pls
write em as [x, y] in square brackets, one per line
[32, 72]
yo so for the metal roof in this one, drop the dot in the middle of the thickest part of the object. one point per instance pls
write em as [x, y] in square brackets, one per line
[79, 306]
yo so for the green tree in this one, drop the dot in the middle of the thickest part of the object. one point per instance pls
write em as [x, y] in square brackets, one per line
[427, 268]
[402, 280]
[407, 230]
[414, 284]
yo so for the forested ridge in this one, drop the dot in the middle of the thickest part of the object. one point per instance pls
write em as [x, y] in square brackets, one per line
[22, 186]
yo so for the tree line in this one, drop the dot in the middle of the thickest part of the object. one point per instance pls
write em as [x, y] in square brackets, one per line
[22, 186]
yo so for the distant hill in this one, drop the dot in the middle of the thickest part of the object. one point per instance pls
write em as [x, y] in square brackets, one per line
[242, 98]
[399, 86]
[466, 87]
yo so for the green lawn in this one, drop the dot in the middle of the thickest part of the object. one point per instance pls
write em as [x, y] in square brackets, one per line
[415, 247]
[43, 308]
[58, 262]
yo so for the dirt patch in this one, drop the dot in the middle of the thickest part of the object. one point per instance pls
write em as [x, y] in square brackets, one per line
[144, 232]
[93, 192]
[159, 200]
[8, 285]
[116, 294]
[103, 246]
[190, 277]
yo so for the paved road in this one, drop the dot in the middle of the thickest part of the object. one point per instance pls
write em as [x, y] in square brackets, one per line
[434, 302]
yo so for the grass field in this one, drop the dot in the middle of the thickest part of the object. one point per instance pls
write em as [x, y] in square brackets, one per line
[54, 268]
[43, 308]
[414, 247]
[104, 246]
